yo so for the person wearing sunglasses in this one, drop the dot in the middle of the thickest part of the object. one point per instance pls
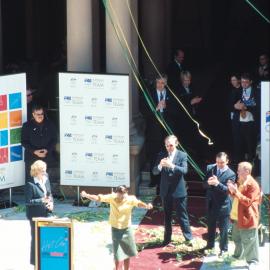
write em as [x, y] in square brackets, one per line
[172, 166]
[39, 138]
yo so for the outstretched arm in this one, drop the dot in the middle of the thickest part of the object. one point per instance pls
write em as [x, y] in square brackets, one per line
[91, 197]
[144, 205]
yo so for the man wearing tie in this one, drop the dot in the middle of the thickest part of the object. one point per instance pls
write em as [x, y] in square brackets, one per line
[172, 166]
[154, 130]
[247, 116]
[218, 201]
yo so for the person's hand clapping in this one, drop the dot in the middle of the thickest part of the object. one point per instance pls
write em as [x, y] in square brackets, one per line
[232, 187]
[166, 162]
[196, 100]
[161, 105]
[213, 181]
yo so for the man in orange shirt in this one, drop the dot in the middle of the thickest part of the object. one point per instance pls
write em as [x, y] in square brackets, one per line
[245, 213]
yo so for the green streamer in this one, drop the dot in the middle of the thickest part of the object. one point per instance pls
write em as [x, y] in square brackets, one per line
[146, 94]
[260, 13]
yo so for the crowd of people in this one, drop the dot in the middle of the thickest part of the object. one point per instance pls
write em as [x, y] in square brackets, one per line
[243, 112]
[230, 200]
[231, 197]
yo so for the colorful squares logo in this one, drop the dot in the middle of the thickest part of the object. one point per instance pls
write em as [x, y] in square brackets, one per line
[15, 135]
[3, 102]
[3, 137]
[15, 101]
[15, 153]
[3, 120]
[3, 155]
[15, 118]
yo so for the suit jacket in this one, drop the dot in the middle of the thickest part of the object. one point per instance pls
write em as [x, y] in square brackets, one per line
[255, 95]
[173, 73]
[185, 98]
[172, 181]
[154, 129]
[33, 199]
[235, 95]
[248, 207]
[38, 136]
[218, 198]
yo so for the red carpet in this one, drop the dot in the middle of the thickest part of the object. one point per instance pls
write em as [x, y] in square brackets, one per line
[165, 258]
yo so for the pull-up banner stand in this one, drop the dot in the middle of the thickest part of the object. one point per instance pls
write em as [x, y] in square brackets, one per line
[54, 244]
[12, 116]
[94, 129]
[265, 137]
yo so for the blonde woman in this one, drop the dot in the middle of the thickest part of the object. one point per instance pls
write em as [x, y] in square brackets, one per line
[38, 198]
[121, 205]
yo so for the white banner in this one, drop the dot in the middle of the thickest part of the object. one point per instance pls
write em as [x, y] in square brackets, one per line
[265, 137]
[94, 129]
[12, 115]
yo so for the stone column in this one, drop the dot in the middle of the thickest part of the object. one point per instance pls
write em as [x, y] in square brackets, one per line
[154, 34]
[79, 36]
[116, 63]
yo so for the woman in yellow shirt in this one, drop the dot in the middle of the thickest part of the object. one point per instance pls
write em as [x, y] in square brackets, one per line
[121, 205]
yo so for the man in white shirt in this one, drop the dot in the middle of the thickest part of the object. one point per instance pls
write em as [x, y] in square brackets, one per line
[247, 114]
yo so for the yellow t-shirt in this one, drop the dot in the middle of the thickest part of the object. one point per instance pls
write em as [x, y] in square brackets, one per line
[120, 212]
[234, 211]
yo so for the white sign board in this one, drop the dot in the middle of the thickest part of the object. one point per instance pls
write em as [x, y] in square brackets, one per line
[265, 137]
[94, 129]
[12, 116]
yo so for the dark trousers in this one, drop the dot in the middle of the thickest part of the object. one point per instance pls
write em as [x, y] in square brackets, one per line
[32, 249]
[246, 141]
[222, 222]
[181, 213]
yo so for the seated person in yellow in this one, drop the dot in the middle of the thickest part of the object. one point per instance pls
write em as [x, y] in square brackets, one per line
[121, 205]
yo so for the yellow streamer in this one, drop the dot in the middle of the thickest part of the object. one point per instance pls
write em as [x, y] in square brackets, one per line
[159, 74]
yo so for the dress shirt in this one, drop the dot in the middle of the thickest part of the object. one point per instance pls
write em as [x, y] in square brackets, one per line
[220, 171]
[42, 184]
[246, 93]
[170, 157]
[161, 96]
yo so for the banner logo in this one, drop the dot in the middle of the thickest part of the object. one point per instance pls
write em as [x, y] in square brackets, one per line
[2, 175]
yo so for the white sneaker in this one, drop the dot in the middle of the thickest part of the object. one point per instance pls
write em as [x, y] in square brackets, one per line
[253, 266]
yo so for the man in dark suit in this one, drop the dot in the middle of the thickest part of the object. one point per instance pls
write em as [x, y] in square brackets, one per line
[154, 130]
[39, 137]
[172, 165]
[174, 69]
[218, 201]
[247, 115]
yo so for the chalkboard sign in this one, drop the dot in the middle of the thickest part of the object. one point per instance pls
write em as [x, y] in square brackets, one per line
[54, 248]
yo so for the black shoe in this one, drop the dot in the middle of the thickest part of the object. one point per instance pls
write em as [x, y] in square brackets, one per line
[166, 242]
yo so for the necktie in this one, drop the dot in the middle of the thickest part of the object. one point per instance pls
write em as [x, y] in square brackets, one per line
[161, 96]
[218, 172]
[245, 97]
